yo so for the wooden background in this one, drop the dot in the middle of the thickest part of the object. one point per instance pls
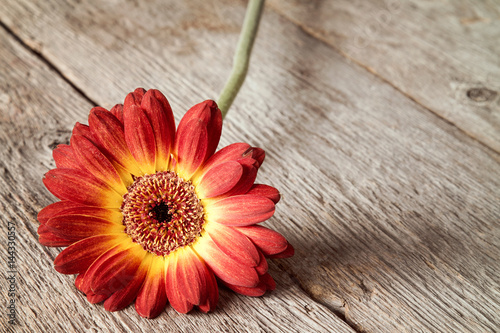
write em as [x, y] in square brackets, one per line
[381, 123]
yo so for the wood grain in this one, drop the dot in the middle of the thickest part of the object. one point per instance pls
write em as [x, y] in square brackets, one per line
[393, 210]
[38, 112]
[442, 54]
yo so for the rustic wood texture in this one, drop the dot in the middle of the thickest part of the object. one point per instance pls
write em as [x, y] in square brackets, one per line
[38, 112]
[442, 54]
[392, 202]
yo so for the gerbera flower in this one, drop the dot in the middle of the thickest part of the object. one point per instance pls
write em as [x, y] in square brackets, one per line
[153, 214]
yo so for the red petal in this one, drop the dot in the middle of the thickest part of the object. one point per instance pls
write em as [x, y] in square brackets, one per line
[78, 257]
[250, 168]
[246, 181]
[233, 152]
[268, 241]
[257, 291]
[49, 239]
[152, 297]
[258, 155]
[289, 252]
[123, 297]
[209, 114]
[162, 121]
[117, 271]
[65, 157]
[140, 138]
[46, 238]
[108, 132]
[91, 158]
[110, 215]
[117, 111]
[59, 208]
[266, 283]
[234, 244]
[55, 209]
[79, 281]
[83, 130]
[262, 268]
[186, 280]
[220, 179]
[97, 298]
[212, 292]
[265, 191]
[240, 210]
[79, 186]
[76, 227]
[134, 98]
[93, 269]
[223, 266]
[43, 229]
[243, 154]
[191, 147]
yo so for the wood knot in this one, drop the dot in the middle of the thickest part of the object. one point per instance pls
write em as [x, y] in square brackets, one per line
[481, 94]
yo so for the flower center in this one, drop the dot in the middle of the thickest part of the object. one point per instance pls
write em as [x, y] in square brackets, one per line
[161, 212]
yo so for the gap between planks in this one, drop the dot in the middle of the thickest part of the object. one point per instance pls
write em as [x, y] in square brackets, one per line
[311, 32]
[339, 313]
[49, 64]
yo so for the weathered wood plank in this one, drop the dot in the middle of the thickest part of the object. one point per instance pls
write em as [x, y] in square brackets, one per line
[394, 212]
[37, 111]
[442, 54]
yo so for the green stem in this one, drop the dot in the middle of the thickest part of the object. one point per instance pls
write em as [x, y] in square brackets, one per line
[242, 55]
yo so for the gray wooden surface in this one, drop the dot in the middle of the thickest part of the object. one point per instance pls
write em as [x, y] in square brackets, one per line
[381, 123]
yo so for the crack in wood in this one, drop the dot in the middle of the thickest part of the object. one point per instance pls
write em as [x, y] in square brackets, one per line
[47, 62]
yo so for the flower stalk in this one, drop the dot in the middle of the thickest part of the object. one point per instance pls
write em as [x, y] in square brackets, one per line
[242, 55]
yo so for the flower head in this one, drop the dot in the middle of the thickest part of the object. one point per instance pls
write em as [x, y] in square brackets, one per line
[152, 214]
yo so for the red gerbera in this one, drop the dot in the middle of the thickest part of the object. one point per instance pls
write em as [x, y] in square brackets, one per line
[150, 214]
